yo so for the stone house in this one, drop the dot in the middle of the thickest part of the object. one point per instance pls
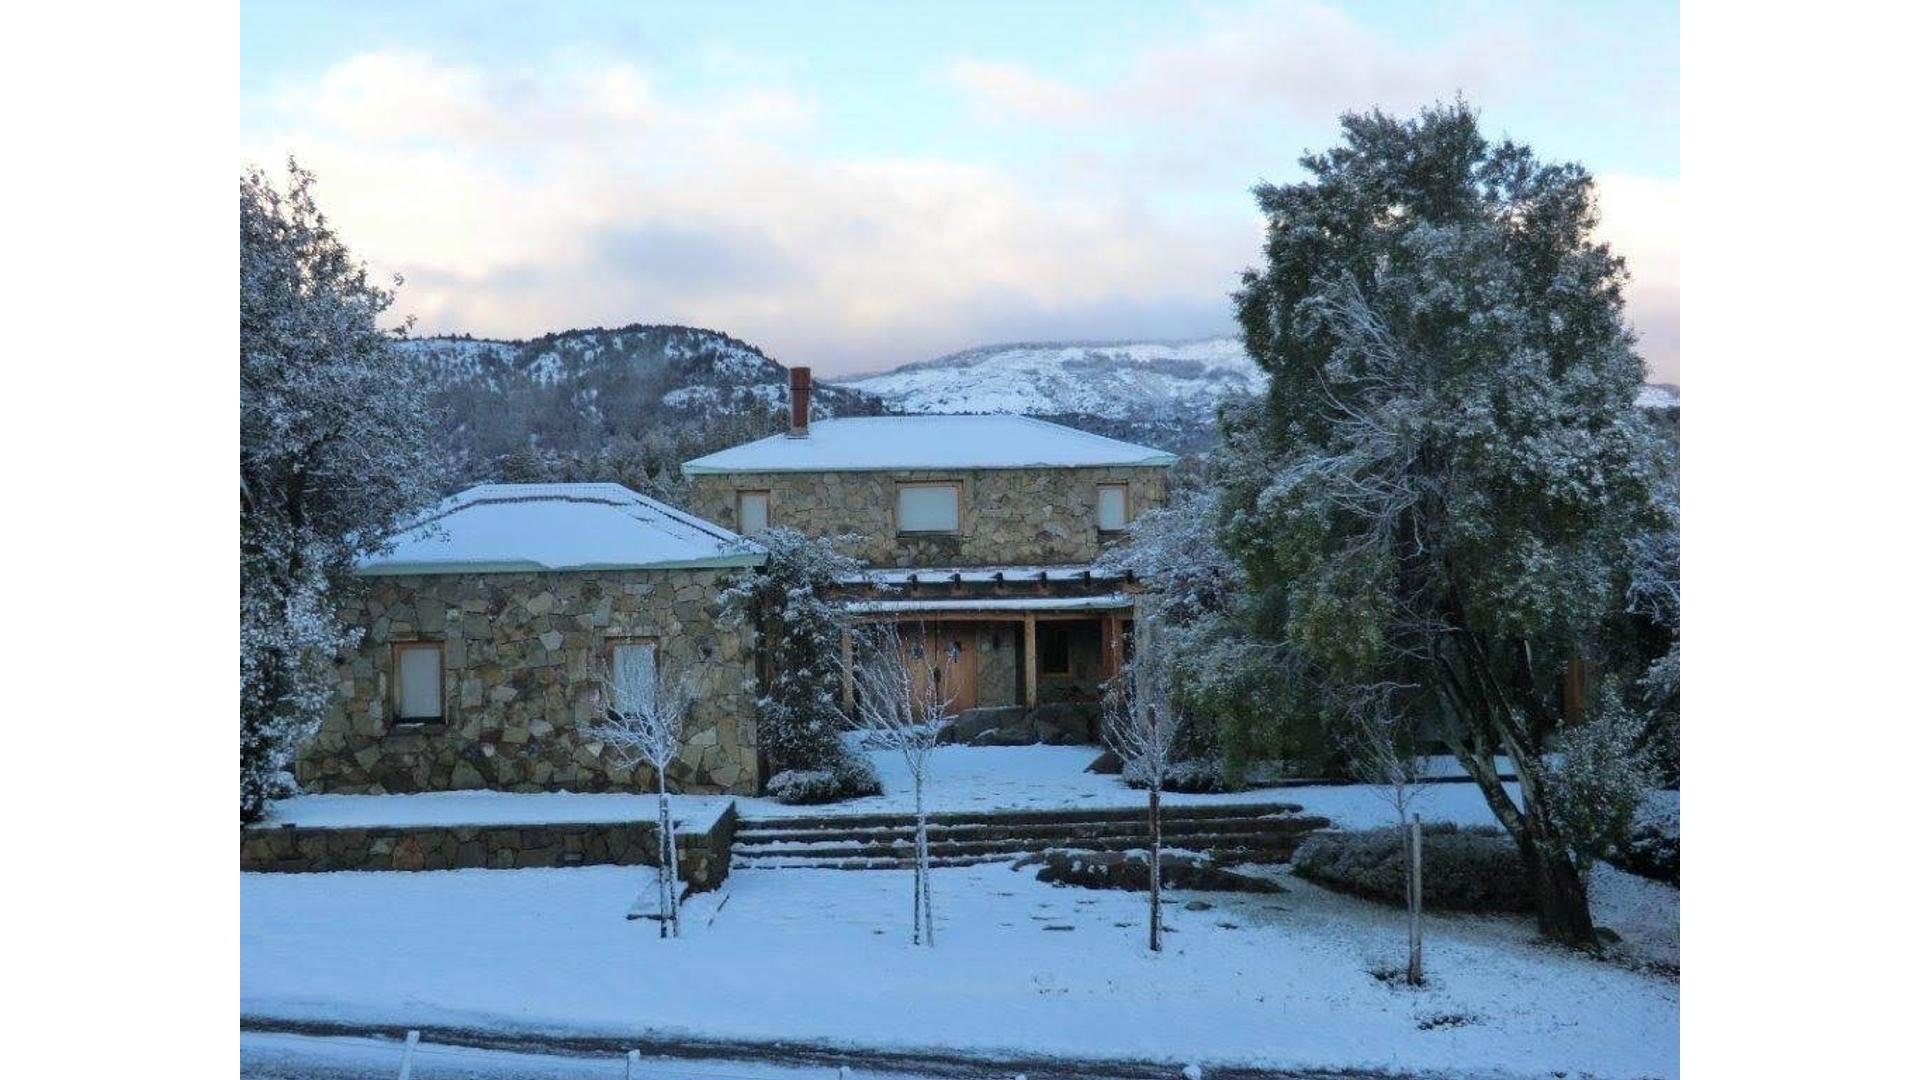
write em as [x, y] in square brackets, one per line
[482, 625]
[981, 533]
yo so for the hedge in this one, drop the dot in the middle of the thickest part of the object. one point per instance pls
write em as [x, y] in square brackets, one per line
[1474, 869]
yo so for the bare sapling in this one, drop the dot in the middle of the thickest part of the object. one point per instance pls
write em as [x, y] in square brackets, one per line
[643, 715]
[1383, 742]
[901, 698]
[1142, 727]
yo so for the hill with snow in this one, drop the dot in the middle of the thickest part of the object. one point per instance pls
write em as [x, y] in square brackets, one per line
[1116, 380]
[621, 404]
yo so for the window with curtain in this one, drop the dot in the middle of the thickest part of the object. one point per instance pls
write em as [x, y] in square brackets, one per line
[928, 508]
[753, 512]
[636, 665]
[1113, 507]
[417, 677]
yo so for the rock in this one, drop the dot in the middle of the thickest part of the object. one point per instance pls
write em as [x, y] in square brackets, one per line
[1003, 737]
[971, 723]
[1198, 905]
[1129, 870]
[1107, 764]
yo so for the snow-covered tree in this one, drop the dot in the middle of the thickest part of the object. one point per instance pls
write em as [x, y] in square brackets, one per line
[1444, 484]
[1142, 726]
[1245, 693]
[642, 720]
[801, 630]
[900, 702]
[336, 451]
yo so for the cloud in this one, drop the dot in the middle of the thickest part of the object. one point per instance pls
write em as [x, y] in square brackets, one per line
[1641, 218]
[1308, 59]
[517, 202]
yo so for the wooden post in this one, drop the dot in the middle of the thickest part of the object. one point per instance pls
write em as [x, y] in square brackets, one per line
[846, 670]
[1415, 973]
[406, 1058]
[1032, 662]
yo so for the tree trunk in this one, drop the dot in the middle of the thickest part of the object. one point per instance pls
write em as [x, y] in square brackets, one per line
[669, 860]
[1416, 966]
[922, 888]
[1153, 868]
[1560, 897]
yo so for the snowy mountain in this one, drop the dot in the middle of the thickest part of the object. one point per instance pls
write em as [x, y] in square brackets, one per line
[1162, 393]
[676, 368]
[621, 405]
[1138, 381]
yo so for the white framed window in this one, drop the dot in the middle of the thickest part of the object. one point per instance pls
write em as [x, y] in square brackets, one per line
[927, 508]
[752, 511]
[418, 677]
[1113, 507]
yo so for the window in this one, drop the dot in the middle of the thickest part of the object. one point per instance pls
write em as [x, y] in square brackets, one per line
[1113, 507]
[928, 508]
[752, 512]
[1055, 657]
[417, 678]
[636, 668]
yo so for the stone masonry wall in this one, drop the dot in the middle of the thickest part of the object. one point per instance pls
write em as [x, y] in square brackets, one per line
[517, 691]
[1035, 517]
[704, 857]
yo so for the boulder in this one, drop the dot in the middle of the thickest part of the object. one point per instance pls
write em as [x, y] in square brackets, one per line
[971, 723]
[1107, 764]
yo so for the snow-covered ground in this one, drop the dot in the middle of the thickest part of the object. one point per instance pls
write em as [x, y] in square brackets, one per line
[278, 1056]
[696, 812]
[1054, 777]
[1020, 967]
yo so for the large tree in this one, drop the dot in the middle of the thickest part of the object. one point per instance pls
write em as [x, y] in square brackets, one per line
[336, 449]
[1443, 491]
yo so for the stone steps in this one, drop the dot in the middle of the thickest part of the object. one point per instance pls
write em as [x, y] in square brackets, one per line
[1249, 832]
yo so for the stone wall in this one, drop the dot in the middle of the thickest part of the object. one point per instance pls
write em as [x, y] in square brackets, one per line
[517, 690]
[1034, 517]
[704, 856]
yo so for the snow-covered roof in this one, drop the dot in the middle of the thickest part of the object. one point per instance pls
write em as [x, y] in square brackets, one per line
[873, 443]
[1106, 602]
[520, 528]
[978, 575]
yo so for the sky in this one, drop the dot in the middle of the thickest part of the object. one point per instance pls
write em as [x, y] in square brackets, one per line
[860, 185]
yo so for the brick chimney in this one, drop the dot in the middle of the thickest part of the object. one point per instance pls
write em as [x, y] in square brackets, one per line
[799, 389]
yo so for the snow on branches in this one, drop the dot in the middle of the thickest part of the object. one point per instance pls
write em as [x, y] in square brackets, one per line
[642, 721]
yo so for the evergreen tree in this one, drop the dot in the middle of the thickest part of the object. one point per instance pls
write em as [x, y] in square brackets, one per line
[798, 716]
[1444, 489]
[336, 448]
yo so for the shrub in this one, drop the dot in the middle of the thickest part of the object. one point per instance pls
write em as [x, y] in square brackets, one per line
[1652, 848]
[849, 778]
[1475, 869]
[1199, 777]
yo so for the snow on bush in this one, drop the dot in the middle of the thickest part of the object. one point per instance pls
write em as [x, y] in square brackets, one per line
[797, 715]
[1652, 847]
[1474, 869]
[850, 778]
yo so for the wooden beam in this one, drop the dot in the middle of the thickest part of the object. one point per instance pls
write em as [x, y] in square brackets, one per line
[1033, 661]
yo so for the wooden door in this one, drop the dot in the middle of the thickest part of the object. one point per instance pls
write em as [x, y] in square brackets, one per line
[946, 655]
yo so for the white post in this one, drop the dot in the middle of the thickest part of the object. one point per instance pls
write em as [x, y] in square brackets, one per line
[633, 1064]
[406, 1057]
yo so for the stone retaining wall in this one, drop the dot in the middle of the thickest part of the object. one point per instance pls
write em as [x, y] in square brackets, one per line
[1035, 517]
[704, 855]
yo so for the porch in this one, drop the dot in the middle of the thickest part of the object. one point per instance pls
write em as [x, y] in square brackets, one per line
[1019, 671]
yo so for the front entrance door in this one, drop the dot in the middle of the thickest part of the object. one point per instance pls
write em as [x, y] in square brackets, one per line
[947, 656]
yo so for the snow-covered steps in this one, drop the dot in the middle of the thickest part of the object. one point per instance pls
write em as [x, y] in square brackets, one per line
[1255, 832]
